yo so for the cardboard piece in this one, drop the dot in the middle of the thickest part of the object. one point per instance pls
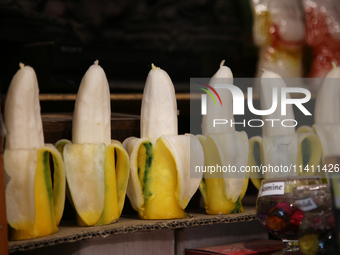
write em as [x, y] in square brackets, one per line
[69, 232]
[161, 242]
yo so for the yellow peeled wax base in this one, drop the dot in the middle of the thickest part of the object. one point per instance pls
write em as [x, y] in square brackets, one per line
[116, 172]
[309, 155]
[110, 211]
[116, 176]
[160, 186]
[222, 192]
[213, 191]
[84, 168]
[158, 176]
[49, 203]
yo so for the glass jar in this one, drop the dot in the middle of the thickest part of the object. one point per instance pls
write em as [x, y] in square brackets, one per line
[276, 210]
[317, 230]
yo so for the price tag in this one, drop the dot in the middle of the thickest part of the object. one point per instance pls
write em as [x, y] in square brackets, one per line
[272, 188]
[306, 204]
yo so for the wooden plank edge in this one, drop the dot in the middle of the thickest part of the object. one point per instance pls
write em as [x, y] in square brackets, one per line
[139, 96]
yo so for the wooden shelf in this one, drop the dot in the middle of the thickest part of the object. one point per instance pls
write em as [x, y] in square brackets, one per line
[69, 232]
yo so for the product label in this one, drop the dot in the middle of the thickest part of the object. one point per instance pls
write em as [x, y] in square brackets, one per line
[306, 204]
[272, 188]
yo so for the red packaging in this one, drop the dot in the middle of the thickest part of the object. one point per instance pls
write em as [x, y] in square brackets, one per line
[259, 247]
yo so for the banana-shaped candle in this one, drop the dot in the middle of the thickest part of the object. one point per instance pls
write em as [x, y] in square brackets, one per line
[281, 151]
[160, 186]
[326, 115]
[97, 168]
[223, 191]
[34, 199]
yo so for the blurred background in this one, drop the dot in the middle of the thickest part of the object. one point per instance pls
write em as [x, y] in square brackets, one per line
[62, 38]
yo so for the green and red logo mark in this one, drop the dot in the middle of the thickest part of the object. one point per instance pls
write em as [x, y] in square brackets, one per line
[209, 93]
